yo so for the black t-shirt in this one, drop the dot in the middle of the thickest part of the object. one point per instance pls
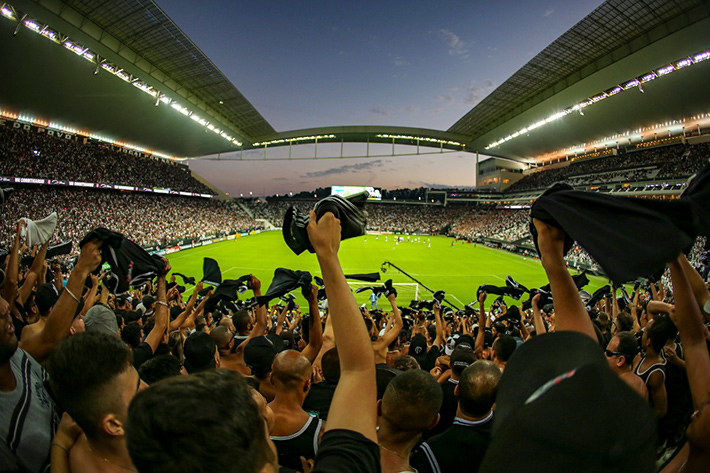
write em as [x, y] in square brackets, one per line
[345, 451]
[429, 361]
[448, 409]
[142, 353]
[319, 398]
[461, 448]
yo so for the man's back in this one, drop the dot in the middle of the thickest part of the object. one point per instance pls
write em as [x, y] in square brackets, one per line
[460, 448]
[27, 416]
[300, 443]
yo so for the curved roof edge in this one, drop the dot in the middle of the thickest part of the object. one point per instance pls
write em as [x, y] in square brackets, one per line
[366, 134]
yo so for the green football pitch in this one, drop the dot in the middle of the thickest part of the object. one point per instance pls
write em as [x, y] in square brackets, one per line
[459, 269]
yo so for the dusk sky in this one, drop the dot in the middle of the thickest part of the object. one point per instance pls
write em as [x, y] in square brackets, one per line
[399, 63]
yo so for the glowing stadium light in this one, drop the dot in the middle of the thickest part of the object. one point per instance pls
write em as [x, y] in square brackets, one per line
[33, 26]
[57, 37]
[8, 114]
[145, 88]
[296, 139]
[122, 75]
[107, 66]
[683, 63]
[49, 34]
[701, 57]
[665, 70]
[7, 13]
[630, 84]
[613, 91]
[420, 138]
[648, 77]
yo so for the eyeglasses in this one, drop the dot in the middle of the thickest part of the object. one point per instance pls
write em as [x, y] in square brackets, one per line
[610, 353]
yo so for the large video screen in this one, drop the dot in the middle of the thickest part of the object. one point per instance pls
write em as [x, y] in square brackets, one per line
[347, 191]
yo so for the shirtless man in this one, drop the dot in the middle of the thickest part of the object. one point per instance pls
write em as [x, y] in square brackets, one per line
[620, 353]
[380, 346]
[295, 433]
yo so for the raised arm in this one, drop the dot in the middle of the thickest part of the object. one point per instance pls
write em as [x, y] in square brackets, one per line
[482, 318]
[315, 328]
[700, 290]
[570, 313]
[280, 320]
[260, 315]
[90, 297]
[9, 285]
[180, 319]
[33, 275]
[538, 322]
[391, 335]
[354, 402]
[161, 312]
[690, 325]
[62, 314]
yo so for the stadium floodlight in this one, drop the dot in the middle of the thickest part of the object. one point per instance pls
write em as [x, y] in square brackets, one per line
[631, 83]
[683, 63]
[701, 57]
[31, 24]
[8, 13]
[648, 77]
[665, 70]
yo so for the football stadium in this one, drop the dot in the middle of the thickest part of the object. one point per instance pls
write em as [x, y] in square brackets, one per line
[324, 242]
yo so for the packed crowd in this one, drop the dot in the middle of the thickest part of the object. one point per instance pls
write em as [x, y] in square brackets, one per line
[504, 225]
[146, 219]
[25, 153]
[168, 379]
[675, 161]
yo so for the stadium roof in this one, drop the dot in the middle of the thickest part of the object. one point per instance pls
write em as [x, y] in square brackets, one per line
[618, 41]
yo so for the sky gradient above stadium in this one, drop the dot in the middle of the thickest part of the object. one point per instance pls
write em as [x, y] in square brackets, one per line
[328, 63]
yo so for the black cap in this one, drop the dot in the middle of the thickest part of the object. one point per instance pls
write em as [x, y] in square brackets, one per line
[45, 298]
[259, 355]
[560, 406]
[199, 351]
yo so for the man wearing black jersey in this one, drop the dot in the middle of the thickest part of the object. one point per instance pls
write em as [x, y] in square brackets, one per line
[462, 446]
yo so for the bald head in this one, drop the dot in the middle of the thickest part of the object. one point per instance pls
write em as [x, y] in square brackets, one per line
[477, 388]
[290, 369]
[412, 401]
[221, 336]
[227, 322]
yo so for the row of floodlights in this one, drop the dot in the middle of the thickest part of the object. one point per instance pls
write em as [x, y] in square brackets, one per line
[55, 36]
[294, 140]
[630, 84]
[421, 138]
[22, 118]
[394, 137]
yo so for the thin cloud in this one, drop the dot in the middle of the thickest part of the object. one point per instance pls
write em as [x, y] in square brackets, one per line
[548, 12]
[445, 99]
[400, 62]
[380, 111]
[475, 93]
[412, 110]
[345, 169]
[457, 46]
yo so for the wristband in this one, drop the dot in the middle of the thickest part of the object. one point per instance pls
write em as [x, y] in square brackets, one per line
[59, 446]
[161, 303]
[71, 294]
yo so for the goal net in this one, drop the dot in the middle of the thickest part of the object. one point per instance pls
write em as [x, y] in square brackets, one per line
[406, 292]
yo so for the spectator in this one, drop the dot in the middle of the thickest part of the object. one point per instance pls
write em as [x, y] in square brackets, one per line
[463, 445]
